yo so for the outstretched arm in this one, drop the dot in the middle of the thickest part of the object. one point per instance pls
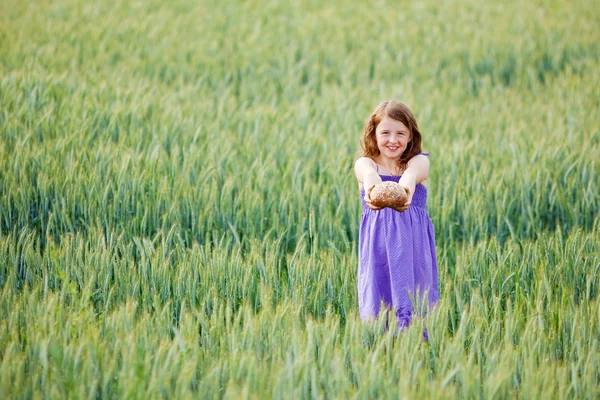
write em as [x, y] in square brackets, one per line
[367, 176]
[366, 173]
[417, 171]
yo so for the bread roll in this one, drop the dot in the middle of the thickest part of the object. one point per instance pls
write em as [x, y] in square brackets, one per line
[388, 194]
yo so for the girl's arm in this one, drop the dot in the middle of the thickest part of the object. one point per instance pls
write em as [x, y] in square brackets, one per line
[366, 172]
[367, 176]
[417, 171]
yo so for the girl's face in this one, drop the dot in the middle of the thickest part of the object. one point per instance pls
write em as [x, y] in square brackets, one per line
[392, 138]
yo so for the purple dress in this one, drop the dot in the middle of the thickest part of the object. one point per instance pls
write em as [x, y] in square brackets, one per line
[396, 258]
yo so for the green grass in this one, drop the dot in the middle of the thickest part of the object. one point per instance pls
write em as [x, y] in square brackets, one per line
[179, 215]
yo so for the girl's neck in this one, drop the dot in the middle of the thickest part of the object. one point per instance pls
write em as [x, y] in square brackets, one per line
[389, 164]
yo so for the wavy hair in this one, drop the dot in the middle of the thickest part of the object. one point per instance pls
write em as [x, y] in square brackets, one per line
[397, 111]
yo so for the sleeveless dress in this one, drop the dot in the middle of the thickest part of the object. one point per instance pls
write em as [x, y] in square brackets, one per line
[397, 258]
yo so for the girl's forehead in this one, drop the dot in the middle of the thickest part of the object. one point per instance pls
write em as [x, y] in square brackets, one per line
[391, 124]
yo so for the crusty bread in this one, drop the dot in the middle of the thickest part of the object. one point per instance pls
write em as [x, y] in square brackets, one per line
[388, 194]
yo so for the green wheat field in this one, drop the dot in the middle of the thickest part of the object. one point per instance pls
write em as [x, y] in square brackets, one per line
[179, 214]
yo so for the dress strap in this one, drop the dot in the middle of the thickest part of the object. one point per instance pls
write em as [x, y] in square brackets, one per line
[425, 154]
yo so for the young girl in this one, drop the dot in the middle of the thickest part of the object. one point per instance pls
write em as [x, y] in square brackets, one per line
[397, 258]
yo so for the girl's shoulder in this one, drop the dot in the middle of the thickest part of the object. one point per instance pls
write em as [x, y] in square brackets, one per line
[421, 158]
[420, 155]
[362, 165]
[364, 161]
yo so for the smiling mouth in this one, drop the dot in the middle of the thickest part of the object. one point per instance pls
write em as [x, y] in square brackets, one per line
[393, 148]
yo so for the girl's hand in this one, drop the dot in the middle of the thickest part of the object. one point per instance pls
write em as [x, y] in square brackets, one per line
[404, 207]
[368, 198]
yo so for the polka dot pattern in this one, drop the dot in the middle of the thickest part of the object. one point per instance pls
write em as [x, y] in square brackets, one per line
[397, 259]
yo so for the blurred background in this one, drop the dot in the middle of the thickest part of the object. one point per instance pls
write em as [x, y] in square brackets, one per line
[179, 214]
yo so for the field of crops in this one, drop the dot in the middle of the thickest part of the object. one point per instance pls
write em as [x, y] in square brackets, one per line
[179, 215]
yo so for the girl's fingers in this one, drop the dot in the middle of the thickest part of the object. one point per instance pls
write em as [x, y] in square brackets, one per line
[408, 194]
[368, 192]
[368, 198]
[370, 205]
[402, 208]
